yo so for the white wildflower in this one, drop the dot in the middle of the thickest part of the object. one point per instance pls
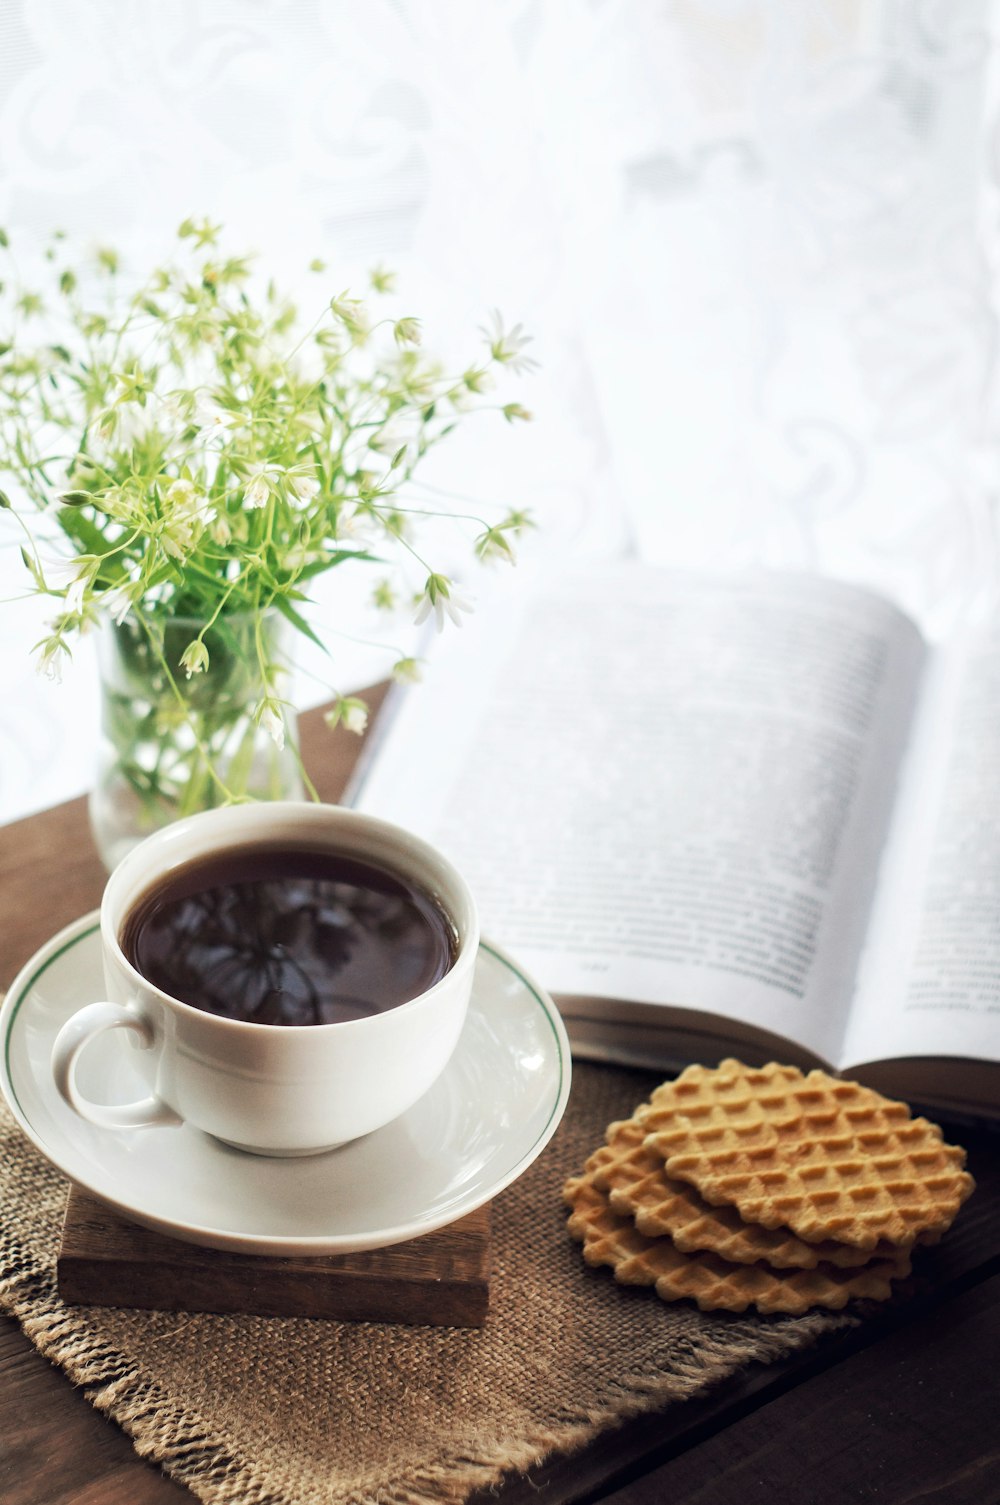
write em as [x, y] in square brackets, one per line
[478, 379]
[194, 659]
[507, 346]
[213, 420]
[355, 716]
[406, 331]
[57, 572]
[299, 555]
[260, 486]
[186, 512]
[135, 423]
[493, 545]
[305, 487]
[391, 438]
[219, 529]
[117, 603]
[407, 671]
[118, 503]
[72, 576]
[348, 711]
[257, 492]
[73, 600]
[269, 717]
[440, 597]
[359, 527]
[50, 659]
[352, 314]
[175, 410]
[382, 280]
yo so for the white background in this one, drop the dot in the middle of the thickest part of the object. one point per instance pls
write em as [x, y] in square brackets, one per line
[755, 241]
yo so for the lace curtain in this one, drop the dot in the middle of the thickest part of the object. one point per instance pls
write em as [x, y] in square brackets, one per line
[756, 242]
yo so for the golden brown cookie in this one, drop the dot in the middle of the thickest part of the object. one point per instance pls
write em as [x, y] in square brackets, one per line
[825, 1158]
[713, 1283]
[637, 1186]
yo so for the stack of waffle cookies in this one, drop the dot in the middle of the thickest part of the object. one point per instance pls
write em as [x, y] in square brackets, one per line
[740, 1186]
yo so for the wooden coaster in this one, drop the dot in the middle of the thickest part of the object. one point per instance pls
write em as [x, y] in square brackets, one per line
[440, 1280]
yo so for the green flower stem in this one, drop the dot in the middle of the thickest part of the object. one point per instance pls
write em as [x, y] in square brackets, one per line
[216, 613]
[308, 784]
[185, 709]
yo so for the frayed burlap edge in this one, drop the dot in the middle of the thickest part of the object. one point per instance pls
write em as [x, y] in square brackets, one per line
[160, 1430]
[183, 1445]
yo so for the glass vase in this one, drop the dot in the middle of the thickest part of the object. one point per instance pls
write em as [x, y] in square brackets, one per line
[171, 745]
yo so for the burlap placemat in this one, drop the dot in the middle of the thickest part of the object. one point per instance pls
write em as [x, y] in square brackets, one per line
[263, 1411]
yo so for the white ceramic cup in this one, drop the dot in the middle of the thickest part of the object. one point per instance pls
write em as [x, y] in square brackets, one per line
[272, 1089]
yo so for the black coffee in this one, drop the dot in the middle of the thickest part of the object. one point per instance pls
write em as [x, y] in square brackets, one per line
[289, 935]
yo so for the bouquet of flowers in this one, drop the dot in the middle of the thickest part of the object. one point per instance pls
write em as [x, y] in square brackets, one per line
[185, 459]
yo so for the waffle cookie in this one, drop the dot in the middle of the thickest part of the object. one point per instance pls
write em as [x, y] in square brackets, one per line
[714, 1284]
[824, 1158]
[637, 1186]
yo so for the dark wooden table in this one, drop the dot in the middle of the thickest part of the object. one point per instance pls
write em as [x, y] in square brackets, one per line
[905, 1409]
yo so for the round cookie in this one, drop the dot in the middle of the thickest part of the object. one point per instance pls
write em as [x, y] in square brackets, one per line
[713, 1283]
[637, 1186]
[825, 1158]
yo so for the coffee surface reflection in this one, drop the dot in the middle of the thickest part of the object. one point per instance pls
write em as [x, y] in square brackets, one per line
[289, 936]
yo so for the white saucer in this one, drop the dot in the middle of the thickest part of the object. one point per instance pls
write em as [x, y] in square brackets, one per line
[482, 1123]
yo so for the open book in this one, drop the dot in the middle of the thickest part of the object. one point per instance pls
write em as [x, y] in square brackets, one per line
[754, 815]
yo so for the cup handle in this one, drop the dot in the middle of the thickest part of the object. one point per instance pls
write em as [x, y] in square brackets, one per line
[69, 1042]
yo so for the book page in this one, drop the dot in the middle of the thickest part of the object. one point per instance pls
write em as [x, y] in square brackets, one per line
[668, 789]
[930, 979]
